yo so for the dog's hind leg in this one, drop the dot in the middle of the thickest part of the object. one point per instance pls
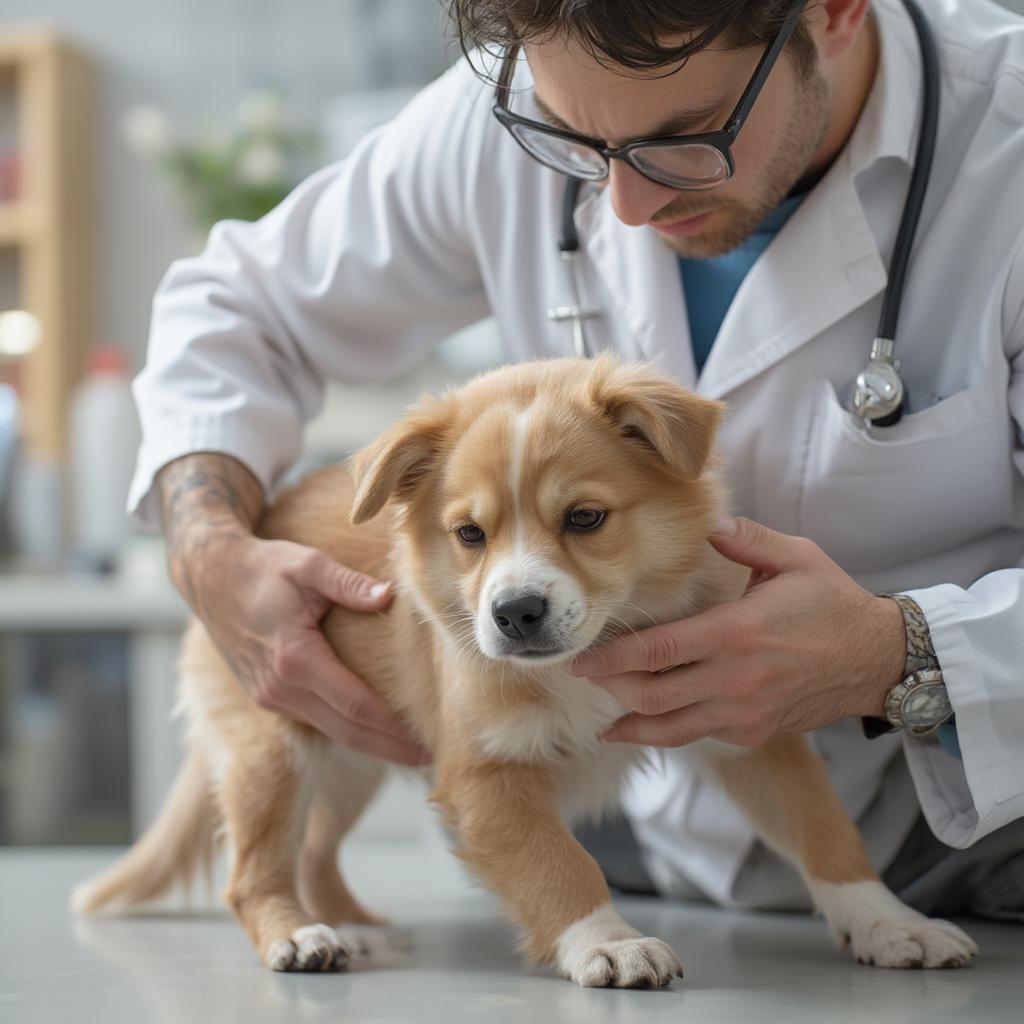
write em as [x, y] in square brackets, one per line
[265, 792]
[785, 791]
[347, 783]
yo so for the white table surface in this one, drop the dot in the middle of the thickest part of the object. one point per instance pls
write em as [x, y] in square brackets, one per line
[740, 967]
[68, 603]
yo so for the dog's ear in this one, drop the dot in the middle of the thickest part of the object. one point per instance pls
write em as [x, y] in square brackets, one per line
[677, 424]
[398, 460]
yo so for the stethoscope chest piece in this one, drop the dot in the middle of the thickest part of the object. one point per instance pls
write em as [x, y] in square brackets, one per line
[878, 390]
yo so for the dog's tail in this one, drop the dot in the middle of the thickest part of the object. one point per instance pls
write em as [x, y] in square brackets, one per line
[183, 837]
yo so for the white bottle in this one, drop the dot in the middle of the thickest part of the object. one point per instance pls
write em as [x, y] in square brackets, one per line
[103, 445]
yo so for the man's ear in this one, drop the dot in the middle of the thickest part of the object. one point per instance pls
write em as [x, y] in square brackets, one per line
[835, 25]
[677, 424]
[394, 464]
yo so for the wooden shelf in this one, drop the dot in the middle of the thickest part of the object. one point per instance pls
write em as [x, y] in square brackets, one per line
[19, 223]
[22, 44]
[52, 225]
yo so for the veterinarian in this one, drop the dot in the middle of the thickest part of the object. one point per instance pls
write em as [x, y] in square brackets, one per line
[763, 288]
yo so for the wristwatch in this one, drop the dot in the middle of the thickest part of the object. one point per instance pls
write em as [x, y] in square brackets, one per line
[919, 703]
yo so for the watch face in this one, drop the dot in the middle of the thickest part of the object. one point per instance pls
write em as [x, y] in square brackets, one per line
[926, 705]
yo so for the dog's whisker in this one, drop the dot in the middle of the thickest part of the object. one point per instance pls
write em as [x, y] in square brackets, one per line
[643, 611]
[464, 642]
[436, 618]
[501, 682]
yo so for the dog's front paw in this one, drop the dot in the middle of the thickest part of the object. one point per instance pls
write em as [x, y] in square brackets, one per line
[314, 947]
[881, 930]
[909, 942]
[601, 950]
[626, 963]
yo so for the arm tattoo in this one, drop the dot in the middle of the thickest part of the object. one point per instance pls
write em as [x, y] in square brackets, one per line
[204, 497]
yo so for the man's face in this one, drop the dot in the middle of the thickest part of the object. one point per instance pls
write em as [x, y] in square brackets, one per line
[775, 147]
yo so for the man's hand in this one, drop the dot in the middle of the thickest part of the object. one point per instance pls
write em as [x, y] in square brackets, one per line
[262, 602]
[805, 645]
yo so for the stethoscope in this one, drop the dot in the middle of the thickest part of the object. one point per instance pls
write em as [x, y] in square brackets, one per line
[878, 391]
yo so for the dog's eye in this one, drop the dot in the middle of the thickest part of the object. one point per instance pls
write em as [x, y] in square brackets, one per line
[470, 534]
[585, 519]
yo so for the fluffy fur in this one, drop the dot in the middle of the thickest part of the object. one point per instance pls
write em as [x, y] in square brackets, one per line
[514, 454]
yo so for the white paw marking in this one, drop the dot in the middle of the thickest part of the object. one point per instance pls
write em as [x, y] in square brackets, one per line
[383, 946]
[82, 897]
[880, 930]
[601, 950]
[314, 947]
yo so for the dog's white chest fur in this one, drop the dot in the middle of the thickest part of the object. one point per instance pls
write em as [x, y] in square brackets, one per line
[565, 730]
[548, 730]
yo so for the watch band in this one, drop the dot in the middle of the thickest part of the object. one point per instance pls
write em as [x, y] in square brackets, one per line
[920, 650]
[921, 656]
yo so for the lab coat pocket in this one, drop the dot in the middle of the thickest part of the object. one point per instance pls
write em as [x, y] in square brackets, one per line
[938, 478]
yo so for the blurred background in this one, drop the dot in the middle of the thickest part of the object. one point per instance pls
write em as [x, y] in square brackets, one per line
[126, 129]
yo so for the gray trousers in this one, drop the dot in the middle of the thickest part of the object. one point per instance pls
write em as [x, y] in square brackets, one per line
[987, 879]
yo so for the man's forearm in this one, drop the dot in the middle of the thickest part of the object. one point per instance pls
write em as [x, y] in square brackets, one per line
[205, 498]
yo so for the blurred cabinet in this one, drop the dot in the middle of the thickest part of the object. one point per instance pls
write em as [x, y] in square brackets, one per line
[88, 747]
[64, 739]
[87, 684]
[50, 223]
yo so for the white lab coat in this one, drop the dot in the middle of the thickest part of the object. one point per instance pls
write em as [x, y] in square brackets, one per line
[440, 218]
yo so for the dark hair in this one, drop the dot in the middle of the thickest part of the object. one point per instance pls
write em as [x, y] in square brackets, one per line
[629, 33]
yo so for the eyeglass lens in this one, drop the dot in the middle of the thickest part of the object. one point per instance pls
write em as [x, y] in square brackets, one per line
[685, 165]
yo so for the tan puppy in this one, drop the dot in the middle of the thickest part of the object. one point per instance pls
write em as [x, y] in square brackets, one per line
[537, 511]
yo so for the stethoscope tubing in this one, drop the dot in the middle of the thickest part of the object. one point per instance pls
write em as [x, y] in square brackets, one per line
[893, 298]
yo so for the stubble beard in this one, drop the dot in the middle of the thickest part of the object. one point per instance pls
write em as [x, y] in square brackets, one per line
[736, 220]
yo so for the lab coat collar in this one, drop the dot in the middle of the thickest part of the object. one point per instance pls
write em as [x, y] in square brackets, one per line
[822, 265]
[890, 121]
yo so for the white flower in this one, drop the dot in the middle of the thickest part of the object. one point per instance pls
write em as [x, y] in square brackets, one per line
[262, 163]
[146, 131]
[260, 111]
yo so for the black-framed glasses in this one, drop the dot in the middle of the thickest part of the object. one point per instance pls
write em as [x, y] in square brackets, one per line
[699, 161]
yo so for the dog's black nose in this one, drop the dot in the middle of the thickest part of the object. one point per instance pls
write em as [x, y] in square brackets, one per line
[519, 617]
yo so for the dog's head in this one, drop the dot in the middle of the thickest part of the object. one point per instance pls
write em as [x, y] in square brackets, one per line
[542, 505]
